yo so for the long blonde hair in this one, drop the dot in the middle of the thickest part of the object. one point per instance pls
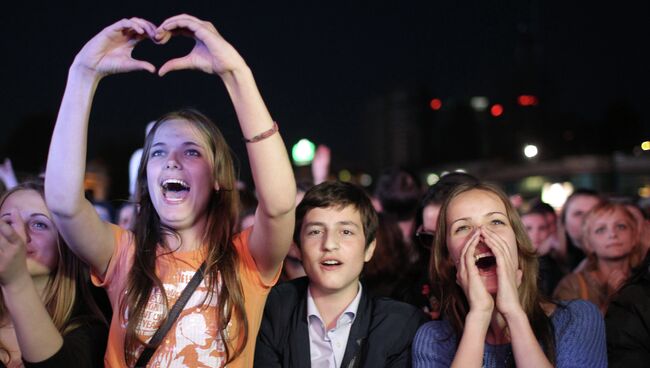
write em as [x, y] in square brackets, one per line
[67, 288]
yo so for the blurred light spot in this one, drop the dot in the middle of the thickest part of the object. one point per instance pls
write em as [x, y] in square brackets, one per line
[436, 104]
[479, 103]
[496, 110]
[527, 100]
[556, 194]
[345, 175]
[645, 146]
[432, 178]
[365, 180]
[530, 150]
[302, 152]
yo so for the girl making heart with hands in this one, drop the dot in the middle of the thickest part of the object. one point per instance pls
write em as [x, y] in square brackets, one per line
[187, 202]
[484, 271]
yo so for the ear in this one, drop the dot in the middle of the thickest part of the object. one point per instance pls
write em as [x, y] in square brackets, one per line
[370, 250]
[216, 185]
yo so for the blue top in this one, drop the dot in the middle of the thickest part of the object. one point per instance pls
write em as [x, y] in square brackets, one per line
[579, 340]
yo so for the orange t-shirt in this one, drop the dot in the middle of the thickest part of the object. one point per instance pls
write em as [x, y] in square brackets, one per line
[193, 340]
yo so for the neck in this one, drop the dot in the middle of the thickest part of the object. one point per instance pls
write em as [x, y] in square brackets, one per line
[331, 305]
[187, 239]
[497, 333]
[39, 283]
[607, 266]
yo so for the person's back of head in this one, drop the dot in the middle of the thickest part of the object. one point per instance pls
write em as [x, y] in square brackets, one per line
[398, 192]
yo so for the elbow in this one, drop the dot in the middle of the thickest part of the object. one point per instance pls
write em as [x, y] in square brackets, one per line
[279, 206]
[280, 210]
[60, 206]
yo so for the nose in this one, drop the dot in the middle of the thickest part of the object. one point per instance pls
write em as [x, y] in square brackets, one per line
[330, 242]
[172, 162]
[613, 232]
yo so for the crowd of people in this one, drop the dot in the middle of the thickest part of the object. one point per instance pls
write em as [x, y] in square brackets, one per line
[198, 271]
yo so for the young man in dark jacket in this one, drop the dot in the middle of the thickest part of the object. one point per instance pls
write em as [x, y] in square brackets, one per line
[327, 319]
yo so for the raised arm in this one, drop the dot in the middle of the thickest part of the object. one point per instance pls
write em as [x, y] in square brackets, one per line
[272, 172]
[107, 53]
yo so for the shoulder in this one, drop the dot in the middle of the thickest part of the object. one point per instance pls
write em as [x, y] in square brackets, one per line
[285, 298]
[635, 293]
[578, 322]
[576, 312]
[290, 290]
[436, 331]
[433, 341]
[393, 312]
[579, 335]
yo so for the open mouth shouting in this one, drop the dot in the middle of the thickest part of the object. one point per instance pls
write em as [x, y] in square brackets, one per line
[174, 190]
[485, 259]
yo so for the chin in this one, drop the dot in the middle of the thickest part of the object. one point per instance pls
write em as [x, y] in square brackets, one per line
[36, 269]
[491, 284]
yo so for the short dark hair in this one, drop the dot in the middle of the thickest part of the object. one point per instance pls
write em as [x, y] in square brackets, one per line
[585, 192]
[438, 192]
[340, 195]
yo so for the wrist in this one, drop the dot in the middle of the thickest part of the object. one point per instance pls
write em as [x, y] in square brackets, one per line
[83, 75]
[478, 318]
[515, 314]
[237, 76]
[17, 285]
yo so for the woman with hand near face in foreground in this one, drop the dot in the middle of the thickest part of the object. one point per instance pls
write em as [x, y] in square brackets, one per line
[47, 316]
[484, 272]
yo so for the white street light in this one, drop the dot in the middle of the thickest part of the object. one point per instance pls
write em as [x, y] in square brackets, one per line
[530, 151]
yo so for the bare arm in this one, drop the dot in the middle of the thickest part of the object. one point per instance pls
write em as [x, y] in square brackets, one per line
[107, 53]
[272, 172]
[525, 347]
[481, 306]
[37, 336]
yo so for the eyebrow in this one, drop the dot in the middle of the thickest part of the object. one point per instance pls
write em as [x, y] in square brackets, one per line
[318, 223]
[37, 214]
[188, 143]
[486, 215]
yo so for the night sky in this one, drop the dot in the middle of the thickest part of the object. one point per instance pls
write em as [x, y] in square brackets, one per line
[319, 67]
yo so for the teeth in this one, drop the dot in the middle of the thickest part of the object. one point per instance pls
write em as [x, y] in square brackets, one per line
[483, 255]
[175, 184]
[330, 262]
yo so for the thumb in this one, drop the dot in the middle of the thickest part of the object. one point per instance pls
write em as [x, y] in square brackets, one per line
[135, 65]
[175, 64]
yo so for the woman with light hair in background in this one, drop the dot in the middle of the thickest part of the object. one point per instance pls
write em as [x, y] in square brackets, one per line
[610, 237]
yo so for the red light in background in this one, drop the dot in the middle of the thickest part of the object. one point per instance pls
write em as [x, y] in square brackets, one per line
[527, 100]
[496, 110]
[436, 104]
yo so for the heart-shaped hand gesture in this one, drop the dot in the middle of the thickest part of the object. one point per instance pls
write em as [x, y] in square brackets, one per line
[109, 52]
[211, 53]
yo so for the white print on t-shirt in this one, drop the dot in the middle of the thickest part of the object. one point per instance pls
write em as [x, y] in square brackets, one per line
[193, 341]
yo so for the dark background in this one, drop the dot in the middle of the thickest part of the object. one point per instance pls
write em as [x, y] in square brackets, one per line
[337, 71]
